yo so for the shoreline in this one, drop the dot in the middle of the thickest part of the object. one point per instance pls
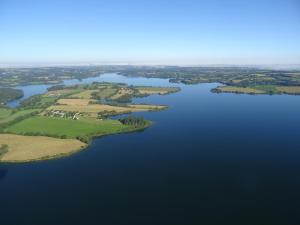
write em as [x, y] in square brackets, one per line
[246, 91]
[63, 155]
[66, 125]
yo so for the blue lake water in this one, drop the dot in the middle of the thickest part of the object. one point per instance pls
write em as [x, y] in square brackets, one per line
[30, 90]
[208, 159]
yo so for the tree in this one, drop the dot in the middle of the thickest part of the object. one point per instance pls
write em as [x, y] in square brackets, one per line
[136, 121]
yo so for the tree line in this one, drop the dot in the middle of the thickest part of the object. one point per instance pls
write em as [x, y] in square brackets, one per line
[136, 121]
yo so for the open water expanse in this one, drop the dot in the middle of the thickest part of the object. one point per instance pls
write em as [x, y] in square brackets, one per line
[208, 159]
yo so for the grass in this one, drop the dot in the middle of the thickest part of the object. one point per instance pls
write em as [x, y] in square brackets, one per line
[30, 139]
[260, 89]
[32, 148]
[12, 116]
[101, 92]
[74, 102]
[121, 92]
[106, 92]
[63, 92]
[46, 100]
[114, 92]
[82, 105]
[87, 94]
[289, 89]
[4, 112]
[47, 126]
[37, 137]
[266, 88]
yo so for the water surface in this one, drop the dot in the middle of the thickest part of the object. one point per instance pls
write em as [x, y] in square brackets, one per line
[208, 159]
[30, 90]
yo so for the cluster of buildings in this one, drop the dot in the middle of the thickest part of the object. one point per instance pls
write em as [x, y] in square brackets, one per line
[63, 114]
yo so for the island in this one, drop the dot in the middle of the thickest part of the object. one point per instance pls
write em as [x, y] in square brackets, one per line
[63, 120]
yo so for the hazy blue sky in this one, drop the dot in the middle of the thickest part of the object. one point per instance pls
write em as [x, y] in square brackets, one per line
[150, 32]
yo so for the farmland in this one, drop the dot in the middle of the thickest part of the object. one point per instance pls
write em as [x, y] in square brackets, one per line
[9, 94]
[9, 115]
[37, 147]
[86, 106]
[260, 89]
[67, 128]
[239, 77]
[65, 119]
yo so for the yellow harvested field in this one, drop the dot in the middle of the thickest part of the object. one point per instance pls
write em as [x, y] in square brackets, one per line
[92, 108]
[240, 90]
[74, 102]
[289, 89]
[152, 92]
[155, 90]
[84, 94]
[31, 148]
[82, 105]
[95, 108]
[236, 81]
[147, 107]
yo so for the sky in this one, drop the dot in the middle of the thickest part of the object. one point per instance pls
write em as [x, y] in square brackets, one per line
[159, 32]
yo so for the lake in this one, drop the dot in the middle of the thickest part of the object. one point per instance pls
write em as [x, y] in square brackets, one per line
[30, 90]
[208, 159]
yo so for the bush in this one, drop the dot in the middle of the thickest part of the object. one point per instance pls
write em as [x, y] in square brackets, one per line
[133, 121]
[84, 139]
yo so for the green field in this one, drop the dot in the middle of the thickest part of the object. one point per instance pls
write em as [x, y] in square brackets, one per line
[64, 120]
[267, 89]
[7, 115]
[4, 113]
[46, 100]
[70, 128]
[105, 92]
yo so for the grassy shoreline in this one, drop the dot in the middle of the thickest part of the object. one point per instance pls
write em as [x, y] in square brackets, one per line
[63, 155]
[65, 119]
[259, 90]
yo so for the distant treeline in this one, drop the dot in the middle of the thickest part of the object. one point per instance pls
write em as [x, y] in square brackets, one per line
[235, 76]
[238, 76]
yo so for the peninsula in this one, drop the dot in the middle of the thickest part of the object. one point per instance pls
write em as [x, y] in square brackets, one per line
[63, 120]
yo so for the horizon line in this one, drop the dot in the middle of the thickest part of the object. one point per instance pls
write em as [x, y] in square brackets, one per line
[40, 65]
